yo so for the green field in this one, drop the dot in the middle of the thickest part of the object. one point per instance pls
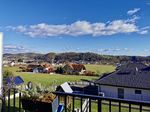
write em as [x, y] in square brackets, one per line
[57, 79]
[105, 107]
[100, 69]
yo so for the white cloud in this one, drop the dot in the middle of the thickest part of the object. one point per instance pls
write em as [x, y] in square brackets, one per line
[15, 49]
[133, 19]
[133, 11]
[121, 26]
[78, 28]
[143, 32]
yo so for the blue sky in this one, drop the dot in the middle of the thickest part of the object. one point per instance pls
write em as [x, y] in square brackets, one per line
[115, 27]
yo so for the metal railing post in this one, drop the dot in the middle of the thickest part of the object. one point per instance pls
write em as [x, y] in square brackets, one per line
[99, 105]
[19, 101]
[89, 105]
[14, 100]
[119, 106]
[73, 104]
[109, 105]
[129, 107]
[140, 107]
[81, 104]
[65, 103]
[8, 100]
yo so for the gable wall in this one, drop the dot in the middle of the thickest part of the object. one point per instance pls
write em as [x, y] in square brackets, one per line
[129, 93]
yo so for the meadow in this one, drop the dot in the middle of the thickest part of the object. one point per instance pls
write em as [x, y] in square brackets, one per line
[100, 69]
[57, 79]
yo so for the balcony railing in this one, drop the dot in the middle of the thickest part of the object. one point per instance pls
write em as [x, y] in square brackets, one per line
[12, 102]
[143, 105]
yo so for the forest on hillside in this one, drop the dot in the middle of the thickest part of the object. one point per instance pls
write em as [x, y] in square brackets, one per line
[76, 57]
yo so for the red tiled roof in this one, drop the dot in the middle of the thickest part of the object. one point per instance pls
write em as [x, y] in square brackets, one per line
[77, 67]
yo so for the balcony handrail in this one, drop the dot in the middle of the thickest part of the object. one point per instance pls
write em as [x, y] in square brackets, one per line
[81, 97]
[94, 97]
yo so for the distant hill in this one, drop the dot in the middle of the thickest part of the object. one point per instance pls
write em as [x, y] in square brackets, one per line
[76, 57]
[25, 56]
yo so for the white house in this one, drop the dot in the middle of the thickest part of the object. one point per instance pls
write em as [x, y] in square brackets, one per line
[35, 70]
[131, 81]
[38, 70]
[12, 64]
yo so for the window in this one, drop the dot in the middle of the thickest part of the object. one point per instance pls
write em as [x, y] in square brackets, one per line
[138, 92]
[120, 93]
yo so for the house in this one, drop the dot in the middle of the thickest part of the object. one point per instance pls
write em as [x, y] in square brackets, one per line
[40, 68]
[35, 68]
[47, 68]
[12, 64]
[130, 81]
[73, 68]
[6, 63]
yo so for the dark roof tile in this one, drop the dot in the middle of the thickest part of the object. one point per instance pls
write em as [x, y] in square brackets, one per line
[136, 77]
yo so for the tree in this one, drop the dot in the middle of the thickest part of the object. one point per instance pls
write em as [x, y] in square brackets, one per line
[20, 60]
[59, 70]
[7, 73]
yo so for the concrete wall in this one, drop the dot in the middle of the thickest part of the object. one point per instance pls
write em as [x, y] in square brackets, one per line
[129, 93]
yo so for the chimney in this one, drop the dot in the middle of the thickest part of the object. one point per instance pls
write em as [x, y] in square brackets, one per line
[1, 55]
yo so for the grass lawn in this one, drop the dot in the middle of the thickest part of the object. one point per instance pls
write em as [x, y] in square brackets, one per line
[105, 108]
[100, 69]
[57, 79]
[11, 105]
